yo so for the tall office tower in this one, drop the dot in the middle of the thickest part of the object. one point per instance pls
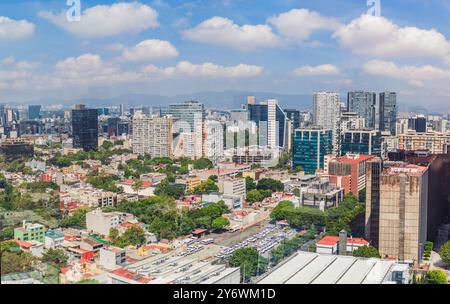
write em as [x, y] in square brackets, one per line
[34, 112]
[121, 110]
[251, 100]
[326, 114]
[310, 147]
[363, 103]
[271, 123]
[361, 141]
[417, 123]
[2, 115]
[189, 122]
[214, 139]
[113, 126]
[374, 168]
[387, 112]
[152, 135]
[403, 199]
[294, 117]
[85, 128]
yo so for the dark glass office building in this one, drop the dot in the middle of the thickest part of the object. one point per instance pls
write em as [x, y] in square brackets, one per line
[271, 122]
[387, 112]
[294, 117]
[361, 142]
[418, 123]
[374, 167]
[363, 103]
[310, 147]
[85, 128]
[34, 112]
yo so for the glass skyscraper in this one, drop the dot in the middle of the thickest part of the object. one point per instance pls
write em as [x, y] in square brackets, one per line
[34, 112]
[294, 117]
[85, 128]
[363, 103]
[271, 122]
[387, 115]
[310, 147]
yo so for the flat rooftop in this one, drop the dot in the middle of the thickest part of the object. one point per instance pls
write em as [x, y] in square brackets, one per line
[315, 268]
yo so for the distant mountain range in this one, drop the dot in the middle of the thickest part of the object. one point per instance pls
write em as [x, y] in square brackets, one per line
[226, 100]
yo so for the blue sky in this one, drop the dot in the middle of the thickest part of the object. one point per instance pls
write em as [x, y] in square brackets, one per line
[175, 47]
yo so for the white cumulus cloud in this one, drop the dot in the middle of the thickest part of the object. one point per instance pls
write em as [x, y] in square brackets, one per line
[15, 29]
[150, 50]
[206, 70]
[224, 32]
[414, 74]
[299, 24]
[378, 36]
[105, 21]
[324, 69]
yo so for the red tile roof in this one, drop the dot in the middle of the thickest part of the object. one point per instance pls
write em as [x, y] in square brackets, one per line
[125, 273]
[334, 240]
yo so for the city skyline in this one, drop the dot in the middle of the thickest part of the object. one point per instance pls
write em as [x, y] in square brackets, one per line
[291, 47]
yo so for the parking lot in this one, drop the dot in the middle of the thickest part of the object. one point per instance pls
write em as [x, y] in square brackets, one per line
[263, 241]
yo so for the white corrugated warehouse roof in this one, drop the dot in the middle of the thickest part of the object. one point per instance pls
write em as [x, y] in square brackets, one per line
[315, 268]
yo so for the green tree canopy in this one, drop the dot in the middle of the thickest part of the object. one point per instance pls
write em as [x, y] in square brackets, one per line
[250, 262]
[250, 184]
[207, 187]
[13, 259]
[133, 236]
[57, 257]
[203, 163]
[445, 253]
[270, 184]
[435, 277]
[367, 252]
[220, 223]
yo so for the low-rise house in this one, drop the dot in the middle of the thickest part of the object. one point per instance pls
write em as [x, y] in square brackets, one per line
[112, 257]
[34, 247]
[146, 189]
[330, 244]
[53, 239]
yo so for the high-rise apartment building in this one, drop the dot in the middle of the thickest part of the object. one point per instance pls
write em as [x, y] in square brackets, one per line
[152, 135]
[401, 193]
[85, 128]
[213, 141]
[189, 118]
[387, 112]
[363, 103]
[326, 114]
[310, 147]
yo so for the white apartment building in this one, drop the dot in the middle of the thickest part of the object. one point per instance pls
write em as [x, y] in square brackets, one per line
[152, 135]
[99, 222]
[213, 142]
[327, 113]
[233, 186]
